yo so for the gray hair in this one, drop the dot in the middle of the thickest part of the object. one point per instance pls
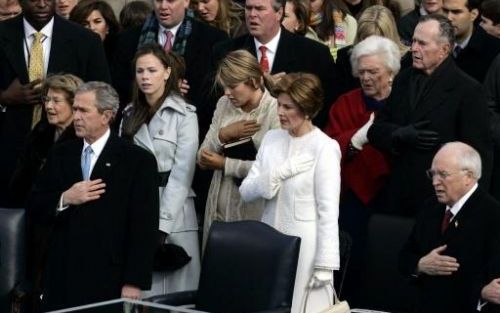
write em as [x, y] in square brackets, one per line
[278, 4]
[105, 95]
[376, 45]
[467, 157]
[446, 31]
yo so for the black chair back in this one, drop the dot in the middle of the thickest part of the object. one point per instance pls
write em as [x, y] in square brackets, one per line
[12, 253]
[383, 287]
[248, 266]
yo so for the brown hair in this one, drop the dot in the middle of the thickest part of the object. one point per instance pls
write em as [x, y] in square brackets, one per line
[67, 83]
[141, 111]
[134, 13]
[305, 91]
[229, 17]
[301, 10]
[84, 8]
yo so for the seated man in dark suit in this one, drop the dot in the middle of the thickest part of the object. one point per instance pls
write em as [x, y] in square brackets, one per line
[101, 195]
[452, 251]
[283, 51]
[32, 46]
[474, 49]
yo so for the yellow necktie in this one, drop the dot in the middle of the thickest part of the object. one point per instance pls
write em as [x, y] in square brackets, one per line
[35, 71]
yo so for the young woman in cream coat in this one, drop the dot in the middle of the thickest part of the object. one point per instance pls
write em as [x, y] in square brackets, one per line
[246, 109]
[160, 121]
[297, 172]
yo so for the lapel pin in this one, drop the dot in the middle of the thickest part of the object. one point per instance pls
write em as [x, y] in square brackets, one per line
[456, 224]
[108, 164]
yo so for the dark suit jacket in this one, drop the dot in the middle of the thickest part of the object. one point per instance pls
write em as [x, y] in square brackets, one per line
[295, 54]
[456, 108]
[406, 25]
[473, 238]
[74, 50]
[475, 59]
[97, 247]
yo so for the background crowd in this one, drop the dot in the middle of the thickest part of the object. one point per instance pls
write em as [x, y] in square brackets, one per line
[310, 116]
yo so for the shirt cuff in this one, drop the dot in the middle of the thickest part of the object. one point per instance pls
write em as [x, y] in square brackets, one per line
[61, 207]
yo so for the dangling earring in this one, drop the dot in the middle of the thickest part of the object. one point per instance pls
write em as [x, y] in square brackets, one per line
[390, 81]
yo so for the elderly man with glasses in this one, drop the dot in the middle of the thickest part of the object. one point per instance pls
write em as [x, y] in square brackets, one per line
[453, 249]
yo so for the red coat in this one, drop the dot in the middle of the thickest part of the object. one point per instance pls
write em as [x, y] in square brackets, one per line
[365, 173]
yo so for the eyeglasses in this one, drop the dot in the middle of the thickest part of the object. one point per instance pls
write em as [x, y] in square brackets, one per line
[442, 175]
[47, 99]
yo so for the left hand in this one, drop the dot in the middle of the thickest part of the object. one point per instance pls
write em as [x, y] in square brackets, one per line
[491, 292]
[211, 160]
[184, 86]
[320, 278]
[131, 292]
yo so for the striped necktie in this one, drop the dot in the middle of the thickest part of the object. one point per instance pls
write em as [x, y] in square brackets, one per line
[35, 71]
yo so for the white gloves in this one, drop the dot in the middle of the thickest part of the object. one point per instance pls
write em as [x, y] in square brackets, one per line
[359, 139]
[320, 278]
[294, 165]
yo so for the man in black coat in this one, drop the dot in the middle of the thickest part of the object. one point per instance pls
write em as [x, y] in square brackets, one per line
[286, 52]
[453, 249]
[67, 47]
[431, 103]
[475, 49]
[101, 195]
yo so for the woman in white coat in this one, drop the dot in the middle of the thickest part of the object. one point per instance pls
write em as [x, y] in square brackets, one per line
[246, 109]
[297, 172]
[160, 121]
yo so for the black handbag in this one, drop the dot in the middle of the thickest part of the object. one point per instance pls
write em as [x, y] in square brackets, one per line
[170, 257]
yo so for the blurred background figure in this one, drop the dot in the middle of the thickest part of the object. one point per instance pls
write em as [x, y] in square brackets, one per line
[375, 20]
[364, 169]
[335, 27]
[246, 110]
[297, 18]
[297, 173]
[407, 23]
[98, 16]
[160, 121]
[64, 7]
[490, 17]
[225, 15]
[9, 8]
[134, 13]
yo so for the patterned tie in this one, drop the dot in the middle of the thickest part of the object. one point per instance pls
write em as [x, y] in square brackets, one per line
[456, 51]
[446, 220]
[264, 61]
[168, 43]
[35, 71]
[86, 160]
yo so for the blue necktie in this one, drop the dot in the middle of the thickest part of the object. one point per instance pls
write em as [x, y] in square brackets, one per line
[86, 158]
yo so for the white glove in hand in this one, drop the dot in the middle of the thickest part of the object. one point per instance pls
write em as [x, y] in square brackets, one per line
[320, 278]
[295, 165]
[359, 139]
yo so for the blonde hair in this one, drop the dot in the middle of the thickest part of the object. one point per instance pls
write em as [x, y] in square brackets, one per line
[229, 17]
[240, 66]
[67, 83]
[378, 20]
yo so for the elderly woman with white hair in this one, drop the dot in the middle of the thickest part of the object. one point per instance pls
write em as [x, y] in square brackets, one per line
[364, 170]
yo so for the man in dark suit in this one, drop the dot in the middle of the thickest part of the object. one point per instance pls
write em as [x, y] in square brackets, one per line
[101, 194]
[431, 103]
[285, 52]
[66, 47]
[407, 23]
[453, 248]
[474, 49]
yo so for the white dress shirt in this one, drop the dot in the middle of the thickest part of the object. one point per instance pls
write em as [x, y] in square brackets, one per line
[272, 47]
[162, 38]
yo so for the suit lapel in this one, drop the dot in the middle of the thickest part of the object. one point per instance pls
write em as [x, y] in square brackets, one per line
[72, 161]
[15, 48]
[108, 159]
[462, 216]
[283, 59]
[59, 49]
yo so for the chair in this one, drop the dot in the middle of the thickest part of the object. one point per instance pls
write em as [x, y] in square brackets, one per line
[383, 287]
[12, 257]
[247, 266]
